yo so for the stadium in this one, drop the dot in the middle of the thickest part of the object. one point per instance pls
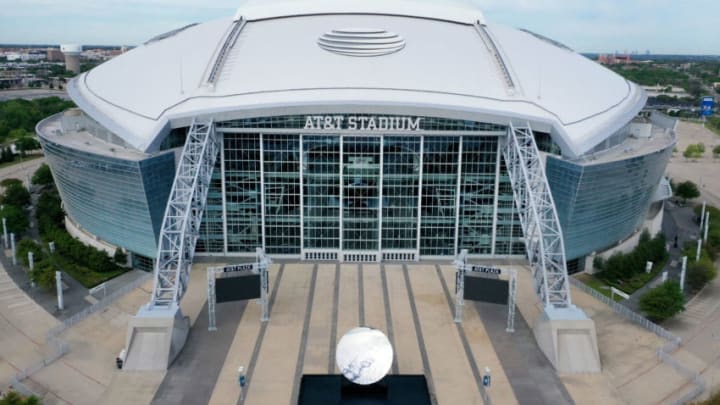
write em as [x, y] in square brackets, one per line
[366, 131]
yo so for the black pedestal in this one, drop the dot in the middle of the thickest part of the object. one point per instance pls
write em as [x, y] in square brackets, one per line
[337, 390]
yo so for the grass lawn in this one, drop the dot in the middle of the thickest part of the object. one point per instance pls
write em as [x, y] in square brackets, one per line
[597, 285]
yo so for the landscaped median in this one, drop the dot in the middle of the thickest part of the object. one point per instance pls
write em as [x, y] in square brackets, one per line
[85, 264]
[626, 271]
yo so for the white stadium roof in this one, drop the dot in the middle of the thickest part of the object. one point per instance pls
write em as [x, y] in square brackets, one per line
[274, 65]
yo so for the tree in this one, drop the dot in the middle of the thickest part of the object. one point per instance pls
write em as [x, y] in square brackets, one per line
[120, 257]
[44, 275]
[700, 273]
[716, 151]
[27, 143]
[694, 151]
[27, 245]
[663, 301]
[687, 190]
[16, 218]
[42, 176]
[17, 195]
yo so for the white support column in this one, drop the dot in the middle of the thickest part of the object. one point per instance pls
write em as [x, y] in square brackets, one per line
[380, 199]
[420, 193]
[460, 266]
[707, 226]
[496, 198]
[31, 260]
[262, 191]
[212, 299]
[702, 215]
[512, 291]
[699, 247]
[58, 287]
[301, 180]
[457, 196]
[682, 273]
[12, 248]
[221, 141]
[5, 232]
[341, 198]
[263, 264]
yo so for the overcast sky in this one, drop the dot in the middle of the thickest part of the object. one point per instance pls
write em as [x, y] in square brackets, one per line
[661, 26]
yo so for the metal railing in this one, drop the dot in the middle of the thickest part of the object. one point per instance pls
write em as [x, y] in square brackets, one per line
[100, 305]
[60, 348]
[663, 353]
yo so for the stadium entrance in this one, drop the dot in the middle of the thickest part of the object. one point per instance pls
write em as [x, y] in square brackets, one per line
[360, 188]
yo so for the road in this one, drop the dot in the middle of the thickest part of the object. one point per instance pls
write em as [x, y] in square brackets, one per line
[31, 94]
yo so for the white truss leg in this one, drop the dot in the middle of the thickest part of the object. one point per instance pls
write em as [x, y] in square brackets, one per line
[186, 204]
[159, 330]
[538, 217]
[564, 333]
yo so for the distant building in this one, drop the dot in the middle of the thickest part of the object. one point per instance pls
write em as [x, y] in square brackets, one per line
[614, 59]
[72, 56]
[55, 55]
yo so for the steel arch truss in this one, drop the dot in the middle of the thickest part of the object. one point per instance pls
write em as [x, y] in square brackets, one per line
[538, 217]
[185, 207]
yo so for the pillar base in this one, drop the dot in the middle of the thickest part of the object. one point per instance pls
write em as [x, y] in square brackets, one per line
[155, 338]
[567, 338]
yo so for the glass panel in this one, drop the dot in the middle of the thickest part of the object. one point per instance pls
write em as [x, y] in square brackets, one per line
[477, 194]
[242, 192]
[321, 192]
[282, 193]
[401, 170]
[440, 168]
[361, 173]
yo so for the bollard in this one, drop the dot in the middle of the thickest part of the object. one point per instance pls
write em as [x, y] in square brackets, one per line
[707, 225]
[648, 267]
[682, 273]
[12, 247]
[5, 232]
[58, 285]
[664, 276]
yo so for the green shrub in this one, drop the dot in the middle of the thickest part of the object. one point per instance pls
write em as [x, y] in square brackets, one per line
[627, 271]
[44, 275]
[16, 219]
[16, 194]
[663, 302]
[27, 245]
[699, 273]
[42, 176]
[687, 190]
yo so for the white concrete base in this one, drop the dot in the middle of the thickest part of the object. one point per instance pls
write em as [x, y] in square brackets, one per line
[567, 337]
[155, 337]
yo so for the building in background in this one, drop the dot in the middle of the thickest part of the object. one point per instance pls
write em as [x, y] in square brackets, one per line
[72, 54]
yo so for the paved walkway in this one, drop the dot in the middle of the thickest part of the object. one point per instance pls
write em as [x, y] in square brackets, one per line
[312, 305]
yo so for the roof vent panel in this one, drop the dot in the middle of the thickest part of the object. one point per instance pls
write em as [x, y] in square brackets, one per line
[361, 42]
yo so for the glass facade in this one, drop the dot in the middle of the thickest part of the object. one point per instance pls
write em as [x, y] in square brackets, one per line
[601, 204]
[322, 193]
[428, 188]
[120, 201]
